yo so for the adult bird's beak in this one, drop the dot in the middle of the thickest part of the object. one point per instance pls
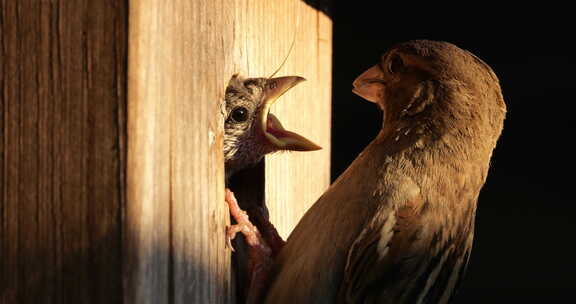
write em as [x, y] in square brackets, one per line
[271, 126]
[369, 84]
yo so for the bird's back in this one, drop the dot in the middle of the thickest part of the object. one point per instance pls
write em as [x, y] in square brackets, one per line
[368, 199]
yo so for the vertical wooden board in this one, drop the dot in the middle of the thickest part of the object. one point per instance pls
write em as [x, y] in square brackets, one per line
[9, 261]
[200, 56]
[147, 222]
[176, 213]
[182, 54]
[106, 41]
[62, 189]
[264, 31]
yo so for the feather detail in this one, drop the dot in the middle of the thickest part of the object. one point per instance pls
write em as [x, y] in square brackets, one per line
[398, 225]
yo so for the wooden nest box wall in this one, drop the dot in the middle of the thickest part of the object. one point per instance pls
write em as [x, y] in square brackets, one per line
[111, 166]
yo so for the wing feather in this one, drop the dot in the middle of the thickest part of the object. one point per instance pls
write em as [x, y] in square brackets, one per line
[401, 257]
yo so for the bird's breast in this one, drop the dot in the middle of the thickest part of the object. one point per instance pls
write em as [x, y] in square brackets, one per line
[311, 265]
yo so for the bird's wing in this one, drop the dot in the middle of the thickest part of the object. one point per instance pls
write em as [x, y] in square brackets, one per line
[400, 257]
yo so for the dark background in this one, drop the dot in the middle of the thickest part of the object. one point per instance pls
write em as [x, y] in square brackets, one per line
[525, 223]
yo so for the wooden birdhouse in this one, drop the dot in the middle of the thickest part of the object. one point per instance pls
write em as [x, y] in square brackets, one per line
[111, 165]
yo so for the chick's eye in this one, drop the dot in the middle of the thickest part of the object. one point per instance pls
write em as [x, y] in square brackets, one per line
[395, 65]
[240, 114]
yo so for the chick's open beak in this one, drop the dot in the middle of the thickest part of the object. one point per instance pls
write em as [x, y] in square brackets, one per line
[271, 126]
[369, 84]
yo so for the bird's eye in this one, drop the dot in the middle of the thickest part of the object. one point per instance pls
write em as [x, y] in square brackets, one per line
[240, 114]
[395, 65]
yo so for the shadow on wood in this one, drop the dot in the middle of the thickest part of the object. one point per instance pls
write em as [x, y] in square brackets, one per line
[98, 207]
[62, 150]
[248, 187]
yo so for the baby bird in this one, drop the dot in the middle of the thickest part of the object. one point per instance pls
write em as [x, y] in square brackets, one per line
[397, 226]
[250, 131]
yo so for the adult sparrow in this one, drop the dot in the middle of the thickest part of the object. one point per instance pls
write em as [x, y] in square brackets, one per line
[397, 226]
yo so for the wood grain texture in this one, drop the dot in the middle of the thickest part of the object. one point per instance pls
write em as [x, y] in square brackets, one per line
[62, 147]
[69, 231]
[263, 33]
[182, 54]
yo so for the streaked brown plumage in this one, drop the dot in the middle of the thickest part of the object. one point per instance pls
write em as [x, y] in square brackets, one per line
[397, 226]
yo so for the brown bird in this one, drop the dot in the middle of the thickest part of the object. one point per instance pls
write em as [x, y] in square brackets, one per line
[397, 226]
[250, 131]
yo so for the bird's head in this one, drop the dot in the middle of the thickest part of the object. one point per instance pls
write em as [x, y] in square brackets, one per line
[433, 86]
[250, 131]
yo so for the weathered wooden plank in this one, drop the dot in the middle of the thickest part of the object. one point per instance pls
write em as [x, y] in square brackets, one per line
[288, 183]
[200, 260]
[147, 232]
[63, 71]
[175, 213]
[182, 54]
[264, 31]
